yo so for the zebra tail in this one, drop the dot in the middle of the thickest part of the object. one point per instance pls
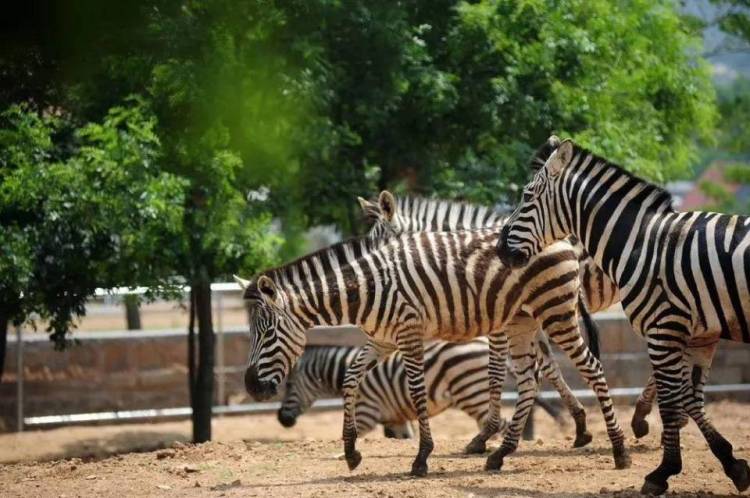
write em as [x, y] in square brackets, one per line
[592, 331]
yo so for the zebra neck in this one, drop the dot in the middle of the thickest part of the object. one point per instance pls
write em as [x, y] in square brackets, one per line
[326, 301]
[328, 366]
[610, 208]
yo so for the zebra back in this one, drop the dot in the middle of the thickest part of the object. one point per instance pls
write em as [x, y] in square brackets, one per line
[391, 217]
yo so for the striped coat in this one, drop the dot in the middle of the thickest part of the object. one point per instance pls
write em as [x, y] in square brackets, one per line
[417, 287]
[390, 216]
[683, 277]
[455, 377]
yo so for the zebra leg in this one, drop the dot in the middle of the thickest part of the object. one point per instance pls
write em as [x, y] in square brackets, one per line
[496, 373]
[735, 469]
[666, 352]
[638, 423]
[365, 360]
[412, 350]
[551, 371]
[562, 328]
[524, 363]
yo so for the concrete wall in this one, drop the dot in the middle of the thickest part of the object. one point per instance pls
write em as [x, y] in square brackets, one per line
[111, 371]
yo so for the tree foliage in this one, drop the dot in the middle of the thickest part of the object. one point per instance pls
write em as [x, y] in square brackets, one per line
[80, 209]
[452, 97]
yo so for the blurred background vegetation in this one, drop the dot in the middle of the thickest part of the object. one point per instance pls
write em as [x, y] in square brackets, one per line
[168, 142]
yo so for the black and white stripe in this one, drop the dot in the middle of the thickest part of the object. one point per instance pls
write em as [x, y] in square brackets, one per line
[683, 278]
[421, 286]
[390, 218]
[455, 377]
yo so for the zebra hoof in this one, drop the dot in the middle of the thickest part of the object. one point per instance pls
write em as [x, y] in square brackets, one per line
[740, 475]
[494, 463]
[582, 439]
[476, 447]
[353, 460]
[651, 488]
[419, 469]
[639, 426]
[622, 461]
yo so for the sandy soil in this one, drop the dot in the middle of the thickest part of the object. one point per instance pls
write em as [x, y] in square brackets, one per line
[254, 456]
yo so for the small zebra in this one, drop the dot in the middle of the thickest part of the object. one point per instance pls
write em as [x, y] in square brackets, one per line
[684, 279]
[418, 287]
[455, 377]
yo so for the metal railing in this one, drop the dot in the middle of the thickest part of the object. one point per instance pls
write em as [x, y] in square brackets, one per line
[324, 335]
[221, 370]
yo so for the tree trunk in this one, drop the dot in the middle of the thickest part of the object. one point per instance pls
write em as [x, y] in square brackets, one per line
[204, 380]
[3, 341]
[132, 312]
[191, 349]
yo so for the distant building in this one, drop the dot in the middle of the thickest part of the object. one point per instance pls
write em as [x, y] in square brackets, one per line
[696, 199]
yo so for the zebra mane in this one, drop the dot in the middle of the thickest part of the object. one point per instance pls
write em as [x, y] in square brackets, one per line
[409, 206]
[663, 197]
[332, 255]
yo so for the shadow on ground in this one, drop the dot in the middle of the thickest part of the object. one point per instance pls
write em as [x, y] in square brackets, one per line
[97, 448]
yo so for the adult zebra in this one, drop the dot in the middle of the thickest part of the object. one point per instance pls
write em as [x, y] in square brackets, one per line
[417, 287]
[455, 377]
[389, 217]
[683, 278]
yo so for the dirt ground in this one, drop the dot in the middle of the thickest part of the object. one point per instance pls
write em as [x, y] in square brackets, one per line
[254, 456]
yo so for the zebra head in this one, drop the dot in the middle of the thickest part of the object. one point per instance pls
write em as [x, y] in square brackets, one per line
[383, 215]
[536, 222]
[276, 341]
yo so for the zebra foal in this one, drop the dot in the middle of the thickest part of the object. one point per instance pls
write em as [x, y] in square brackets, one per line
[455, 377]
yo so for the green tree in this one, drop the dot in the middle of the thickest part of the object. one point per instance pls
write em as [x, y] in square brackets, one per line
[452, 97]
[80, 209]
[316, 101]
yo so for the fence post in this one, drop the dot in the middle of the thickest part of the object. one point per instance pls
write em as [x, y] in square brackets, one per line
[19, 379]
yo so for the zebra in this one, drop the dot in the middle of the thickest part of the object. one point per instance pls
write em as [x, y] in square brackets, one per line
[683, 278]
[455, 377]
[389, 217]
[418, 287]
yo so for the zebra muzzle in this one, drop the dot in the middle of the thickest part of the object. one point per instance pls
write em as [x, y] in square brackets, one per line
[260, 390]
[287, 418]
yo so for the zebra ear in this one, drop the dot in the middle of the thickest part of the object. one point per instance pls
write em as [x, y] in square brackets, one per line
[369, 209]
[553, 141]
[387, 204]
[267, 288]
[243, 283]
[364, 203]
[560, 158]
